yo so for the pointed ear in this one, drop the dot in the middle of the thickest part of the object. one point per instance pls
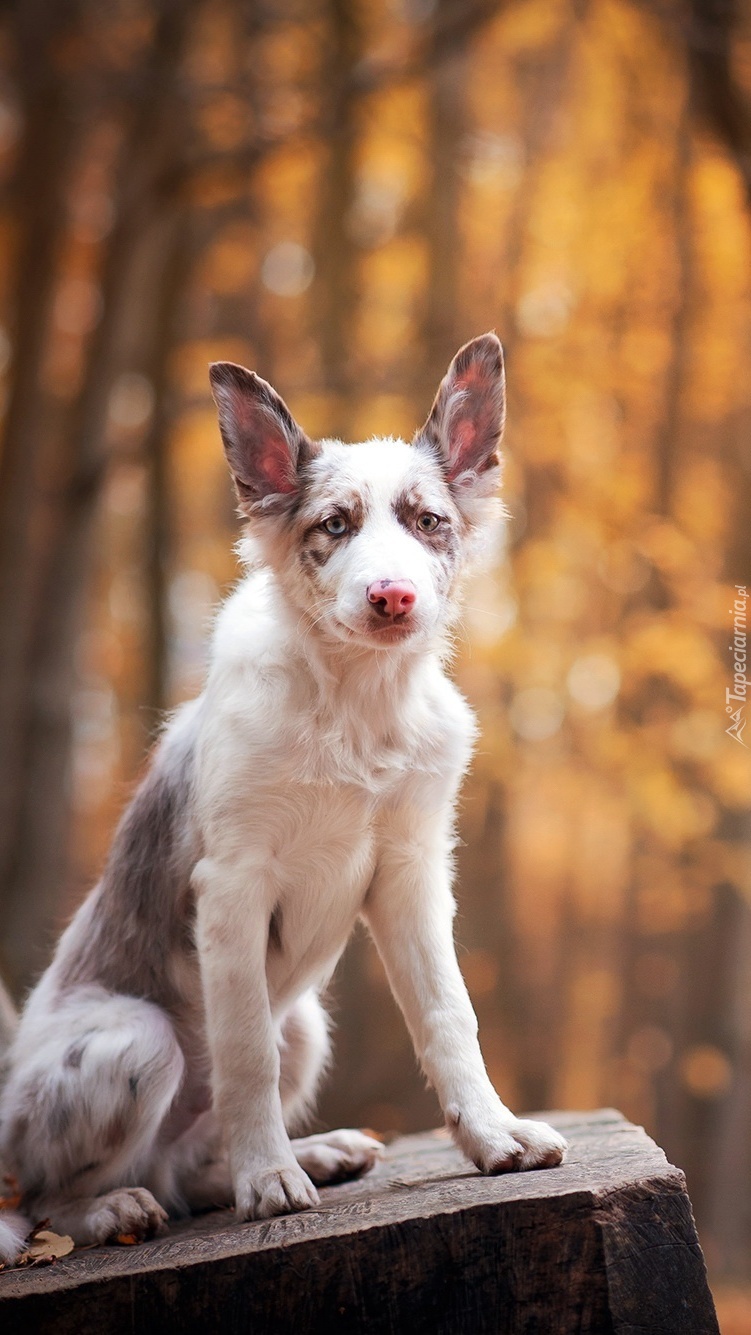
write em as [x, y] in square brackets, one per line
[265, 447]
[465, 424]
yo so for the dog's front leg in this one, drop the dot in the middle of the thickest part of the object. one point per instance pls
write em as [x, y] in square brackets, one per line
[232, 927]
[410, 911]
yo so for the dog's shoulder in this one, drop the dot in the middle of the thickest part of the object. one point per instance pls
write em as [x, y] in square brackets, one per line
[253, 642]
[255, 695]
[250, 628]
[454, 719]
[443, 730]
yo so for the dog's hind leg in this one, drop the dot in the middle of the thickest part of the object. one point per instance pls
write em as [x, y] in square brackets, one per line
[201, 1167]
[331, 1156]
[87, 1094]
[304, 1051]
[335, 1156]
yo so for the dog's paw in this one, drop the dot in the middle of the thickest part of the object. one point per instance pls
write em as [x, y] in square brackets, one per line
[130, 1212]
[506, 1144]
[542, 1145]
[492, 1150]
[274, 1191]
[335, 1156]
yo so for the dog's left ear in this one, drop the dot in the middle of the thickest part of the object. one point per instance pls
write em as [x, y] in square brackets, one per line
[265, 447]
[465, 424]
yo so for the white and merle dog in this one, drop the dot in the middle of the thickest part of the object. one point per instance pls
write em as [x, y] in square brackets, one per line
[178, 1032]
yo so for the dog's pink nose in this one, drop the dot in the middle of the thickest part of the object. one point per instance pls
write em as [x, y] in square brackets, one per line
[392, 598]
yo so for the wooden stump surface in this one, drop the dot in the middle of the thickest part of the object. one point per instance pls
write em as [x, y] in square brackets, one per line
[606, 1242]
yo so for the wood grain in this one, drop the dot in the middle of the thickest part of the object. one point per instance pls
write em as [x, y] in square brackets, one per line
[605, 1243]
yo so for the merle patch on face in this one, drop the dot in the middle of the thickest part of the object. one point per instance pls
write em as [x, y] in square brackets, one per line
[317, 546]
[409, 505]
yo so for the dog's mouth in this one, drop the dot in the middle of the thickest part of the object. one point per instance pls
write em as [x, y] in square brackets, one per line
[392, 629]
[382, 632]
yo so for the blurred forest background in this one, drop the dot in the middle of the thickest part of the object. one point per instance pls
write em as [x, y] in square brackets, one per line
[338, 194]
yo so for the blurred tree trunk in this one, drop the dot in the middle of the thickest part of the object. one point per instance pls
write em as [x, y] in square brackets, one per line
[544, 78]
[176, 254]
[447, 128]
[152, 139]
[725, 1208]
[668, 443]
[481, 865]
[335, 252]
[38, 200]
[709, 29]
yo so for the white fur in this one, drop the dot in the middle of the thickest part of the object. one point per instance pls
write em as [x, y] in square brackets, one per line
[325, 757]
[13, 1231]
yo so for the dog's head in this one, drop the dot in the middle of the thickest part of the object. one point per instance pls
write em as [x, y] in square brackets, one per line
[369, 541]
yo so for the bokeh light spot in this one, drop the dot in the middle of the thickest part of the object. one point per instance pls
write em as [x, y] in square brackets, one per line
[287, 269]
[650, 1048]
[132, 401]
[536, 713]
[593, 681]
[706, 1071]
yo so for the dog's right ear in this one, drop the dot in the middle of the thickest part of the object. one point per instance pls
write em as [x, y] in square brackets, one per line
[265, 447]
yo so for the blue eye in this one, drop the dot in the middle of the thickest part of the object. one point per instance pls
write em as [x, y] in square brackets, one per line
[428, 523]
[335, 525]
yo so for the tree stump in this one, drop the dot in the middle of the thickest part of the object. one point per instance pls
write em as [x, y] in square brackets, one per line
[605, 1243]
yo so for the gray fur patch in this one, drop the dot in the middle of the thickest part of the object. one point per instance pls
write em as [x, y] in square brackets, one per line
[317, 551]
[73, 1056]
[86, 1168]
[59, 1118]
[141, 911]
[116, 1131]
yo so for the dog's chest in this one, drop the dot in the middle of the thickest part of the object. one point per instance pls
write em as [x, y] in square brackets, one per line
[302, 788]
[332, 752]
[325, 800]
[321, 831]
[321, 858]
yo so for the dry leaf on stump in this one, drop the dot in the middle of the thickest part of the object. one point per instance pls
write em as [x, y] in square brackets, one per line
[47, 1246]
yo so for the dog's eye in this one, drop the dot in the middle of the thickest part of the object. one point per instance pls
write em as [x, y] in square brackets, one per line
[428, 523]
[335, 525]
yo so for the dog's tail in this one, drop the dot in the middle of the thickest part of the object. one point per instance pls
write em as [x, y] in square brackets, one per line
[13, 1227]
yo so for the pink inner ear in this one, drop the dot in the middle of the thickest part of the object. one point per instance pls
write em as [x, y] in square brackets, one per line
[463, 438]
[271, 455]
[465, 424]
[473, 429]
[470, 377]
[273, 463]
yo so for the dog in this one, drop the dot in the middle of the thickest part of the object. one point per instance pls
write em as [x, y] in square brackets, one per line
[178, 1036]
